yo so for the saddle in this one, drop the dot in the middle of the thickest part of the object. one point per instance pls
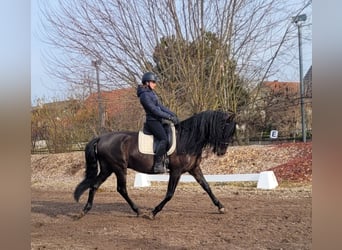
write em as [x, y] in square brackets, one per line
[147, 143]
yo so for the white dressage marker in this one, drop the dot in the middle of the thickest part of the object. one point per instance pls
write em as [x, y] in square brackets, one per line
[266, 179]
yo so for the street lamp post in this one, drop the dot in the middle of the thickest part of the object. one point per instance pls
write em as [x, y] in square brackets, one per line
[298, 20]
[96, 64]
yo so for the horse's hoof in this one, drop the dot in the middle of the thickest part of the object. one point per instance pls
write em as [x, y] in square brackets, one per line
[149, 216]
[79, 216]
[221, 210]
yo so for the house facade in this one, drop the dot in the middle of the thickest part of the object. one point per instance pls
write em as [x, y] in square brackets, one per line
[276, 105]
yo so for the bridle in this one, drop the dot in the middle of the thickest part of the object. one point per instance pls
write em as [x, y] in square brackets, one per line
[223, 142]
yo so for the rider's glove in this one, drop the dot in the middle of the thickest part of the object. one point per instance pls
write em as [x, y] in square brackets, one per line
[174, 119]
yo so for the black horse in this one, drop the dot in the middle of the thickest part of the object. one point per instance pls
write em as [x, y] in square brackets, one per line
[117, 151]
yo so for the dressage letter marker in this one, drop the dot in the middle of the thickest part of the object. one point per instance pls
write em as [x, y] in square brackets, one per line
[274, 134]
[266, 179]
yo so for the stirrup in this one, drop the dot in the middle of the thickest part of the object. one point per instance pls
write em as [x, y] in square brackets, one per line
[166, 162]
[160, 164]
[159, 170]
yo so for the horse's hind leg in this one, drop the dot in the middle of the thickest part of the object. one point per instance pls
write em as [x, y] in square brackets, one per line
[89, 203]
[99, 180]
[122, 189]
[198, 175]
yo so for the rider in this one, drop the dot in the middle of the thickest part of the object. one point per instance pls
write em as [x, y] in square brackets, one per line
[155, 112]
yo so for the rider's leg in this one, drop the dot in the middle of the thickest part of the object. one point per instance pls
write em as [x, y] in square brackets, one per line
[159, 132]
[158, 166]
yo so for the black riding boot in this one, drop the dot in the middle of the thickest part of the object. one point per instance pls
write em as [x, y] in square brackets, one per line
[158, 166]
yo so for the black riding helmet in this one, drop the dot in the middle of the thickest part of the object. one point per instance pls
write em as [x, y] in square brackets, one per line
[149, 76]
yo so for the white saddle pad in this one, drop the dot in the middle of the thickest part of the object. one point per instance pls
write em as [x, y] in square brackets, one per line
[145, 142]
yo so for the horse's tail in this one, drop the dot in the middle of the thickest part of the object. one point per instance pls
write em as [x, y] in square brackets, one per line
[91, 168]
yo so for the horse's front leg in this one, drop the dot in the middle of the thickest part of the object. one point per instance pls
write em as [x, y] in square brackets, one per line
[173, 182]
[198, 175]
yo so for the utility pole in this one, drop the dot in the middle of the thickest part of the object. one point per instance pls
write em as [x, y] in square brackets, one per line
[298, 20]
[96, 64]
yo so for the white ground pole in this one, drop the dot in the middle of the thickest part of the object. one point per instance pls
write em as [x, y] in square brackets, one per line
[266, 179]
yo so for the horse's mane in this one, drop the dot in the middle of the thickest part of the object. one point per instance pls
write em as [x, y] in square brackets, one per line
[199, 131]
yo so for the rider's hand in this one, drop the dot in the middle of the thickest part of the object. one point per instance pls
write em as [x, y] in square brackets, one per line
[174, 119]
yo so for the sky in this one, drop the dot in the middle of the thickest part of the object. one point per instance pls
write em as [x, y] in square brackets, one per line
[42, 86]
[49, 89]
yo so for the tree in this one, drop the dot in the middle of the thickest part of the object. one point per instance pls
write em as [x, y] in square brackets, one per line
[179, 63]
[55, 124]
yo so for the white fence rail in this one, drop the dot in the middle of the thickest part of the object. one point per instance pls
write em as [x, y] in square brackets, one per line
[266, 179]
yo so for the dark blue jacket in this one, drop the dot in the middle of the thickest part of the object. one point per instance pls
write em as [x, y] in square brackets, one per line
[151, 104]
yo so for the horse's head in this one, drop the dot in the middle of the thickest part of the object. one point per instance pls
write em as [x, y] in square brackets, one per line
[213, 129]
[228, 131]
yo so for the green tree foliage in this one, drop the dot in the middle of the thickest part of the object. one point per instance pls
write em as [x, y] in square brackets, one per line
[199, 75]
